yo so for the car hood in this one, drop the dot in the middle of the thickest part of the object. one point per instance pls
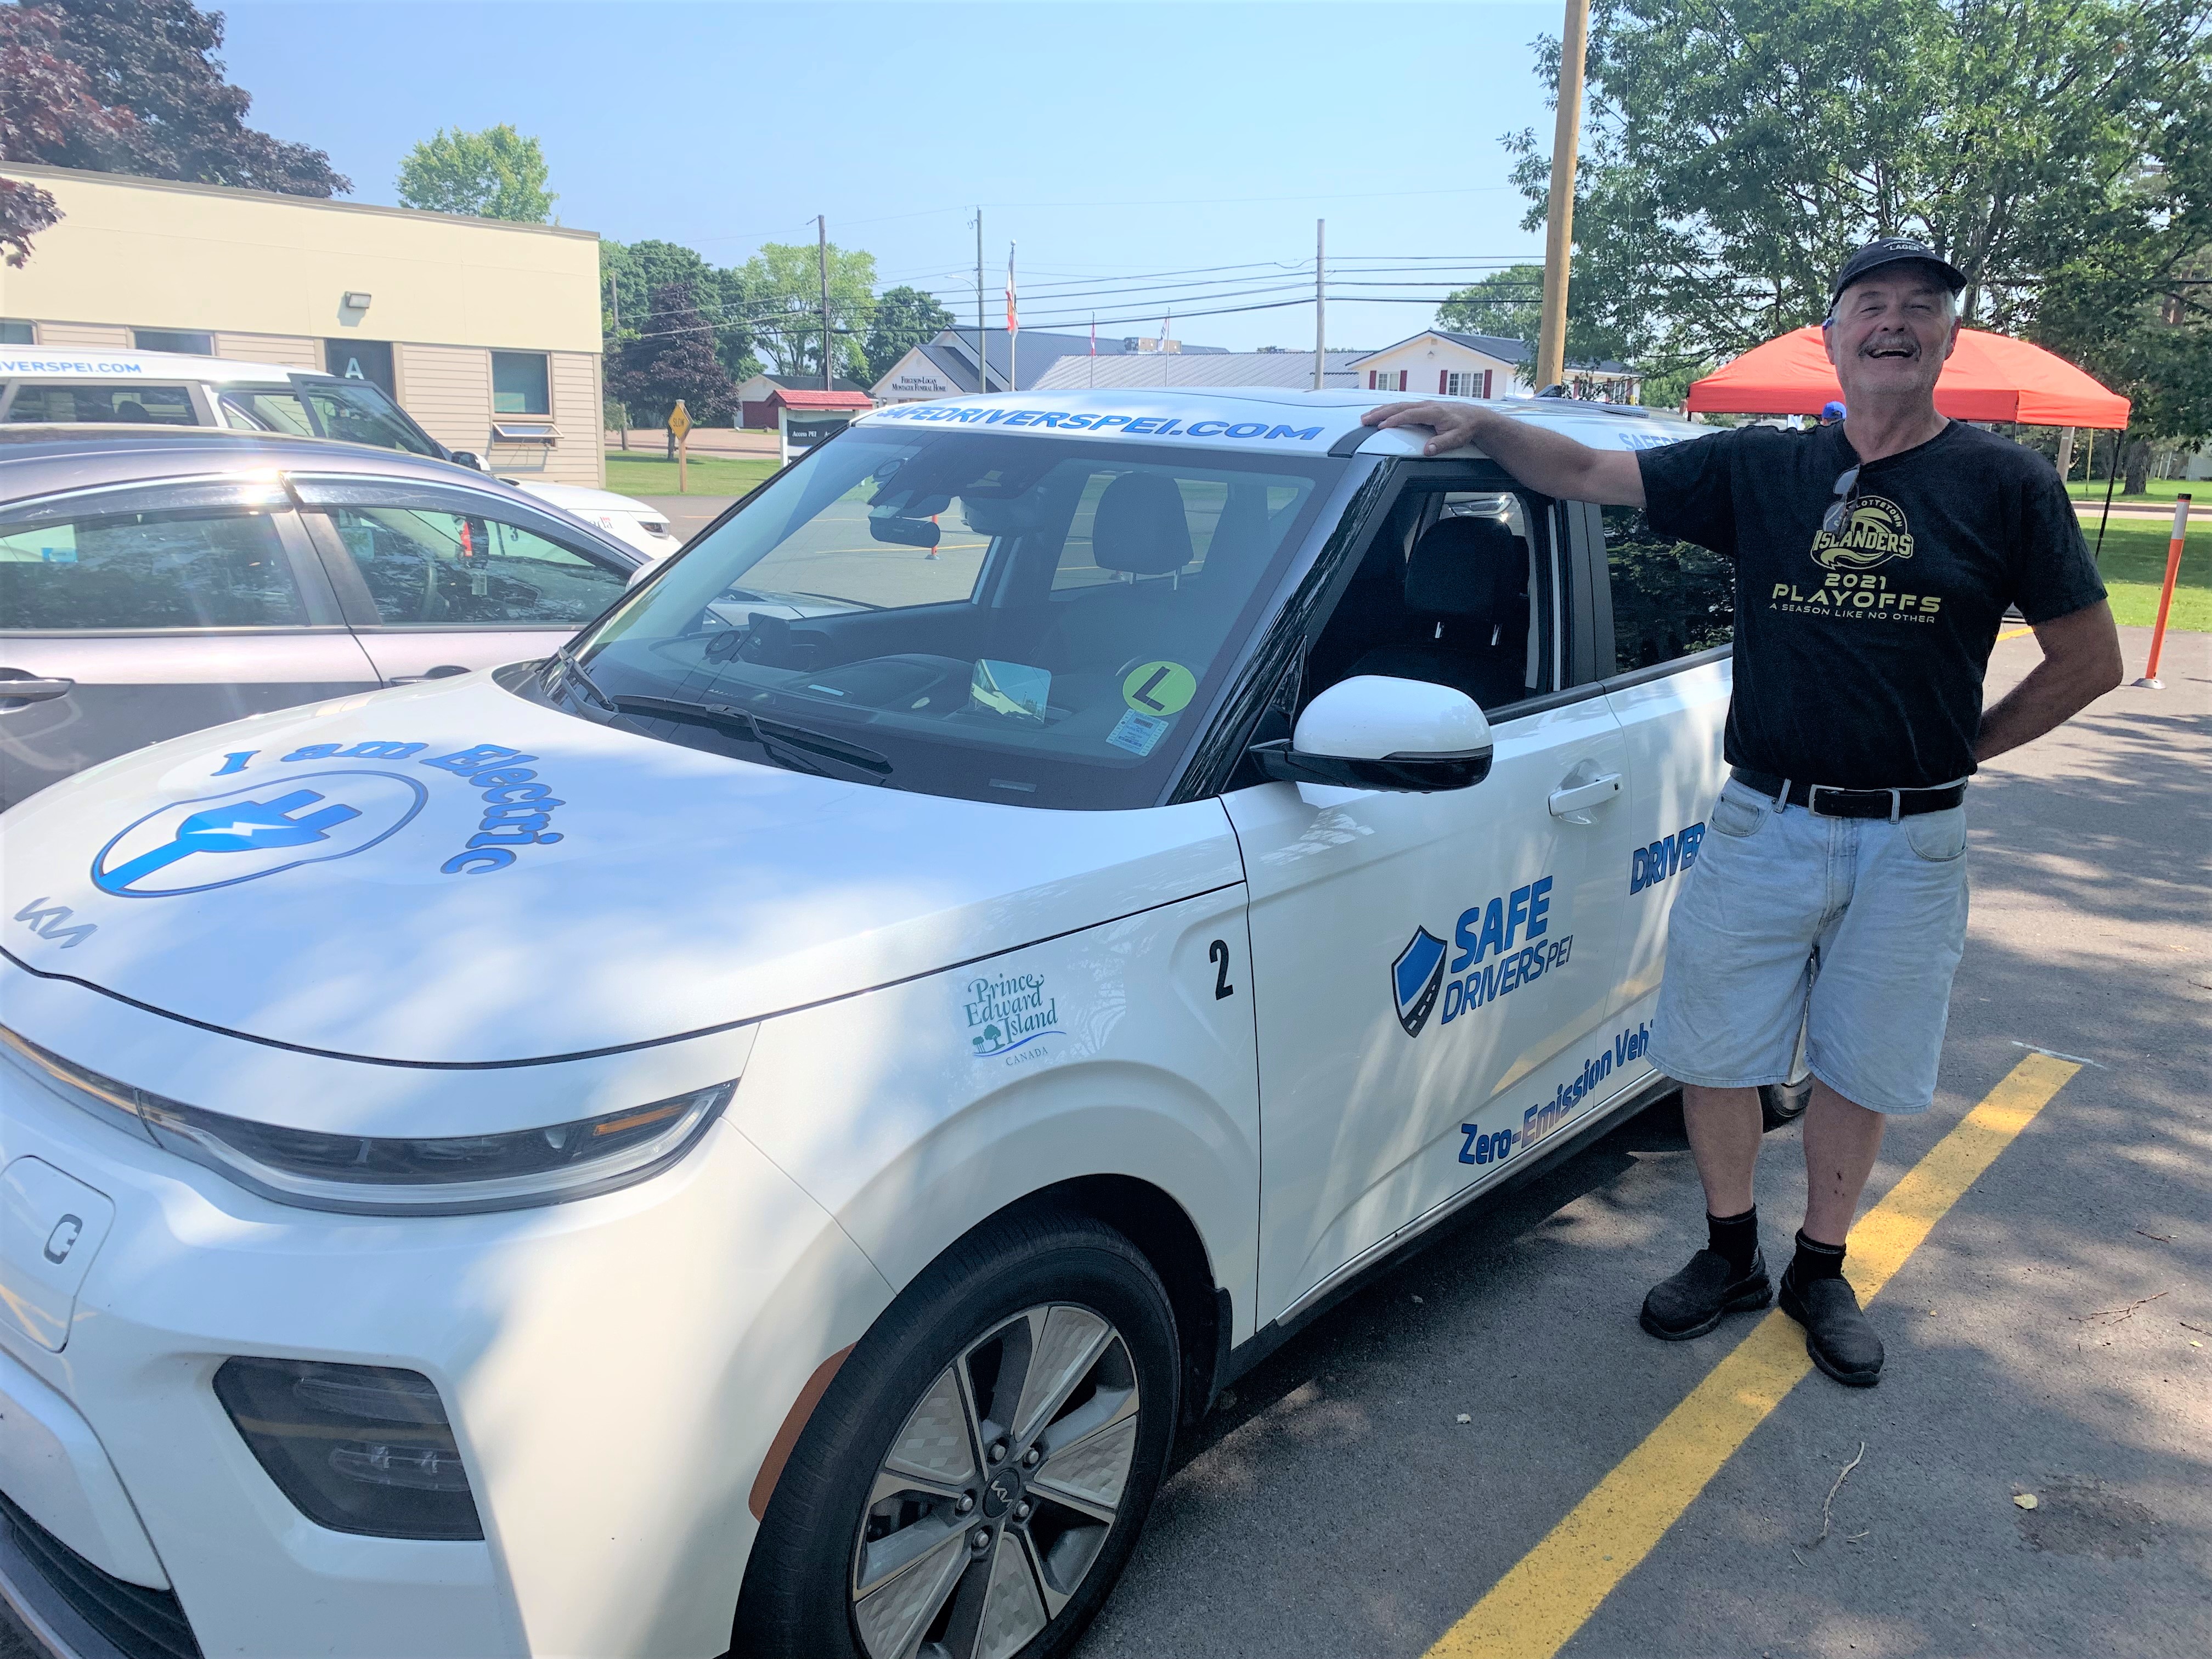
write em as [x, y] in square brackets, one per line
[449, 874]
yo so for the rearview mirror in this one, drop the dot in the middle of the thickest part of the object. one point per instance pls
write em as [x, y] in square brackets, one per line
[469, 459]
[1372, 731]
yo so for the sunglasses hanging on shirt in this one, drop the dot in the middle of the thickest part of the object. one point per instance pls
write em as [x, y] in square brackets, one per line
[1839, 511]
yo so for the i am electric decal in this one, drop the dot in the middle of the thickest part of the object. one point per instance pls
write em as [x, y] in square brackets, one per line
[290, 817]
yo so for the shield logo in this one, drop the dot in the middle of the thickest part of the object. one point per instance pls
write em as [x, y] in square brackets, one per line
[1416, 978]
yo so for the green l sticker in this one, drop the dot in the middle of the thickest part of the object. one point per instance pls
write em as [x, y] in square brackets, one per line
[1159, 688]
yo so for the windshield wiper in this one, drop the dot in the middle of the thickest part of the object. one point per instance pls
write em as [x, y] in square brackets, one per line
[573, 670]
[769, 733]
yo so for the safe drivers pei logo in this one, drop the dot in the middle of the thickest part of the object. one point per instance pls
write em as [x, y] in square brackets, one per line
[219, 840]
[1875, 534]
[1416, 979]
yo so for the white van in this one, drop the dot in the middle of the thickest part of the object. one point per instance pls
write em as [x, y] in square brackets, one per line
[59, 386]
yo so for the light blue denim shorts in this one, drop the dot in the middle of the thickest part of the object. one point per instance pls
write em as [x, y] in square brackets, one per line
[1850, 927]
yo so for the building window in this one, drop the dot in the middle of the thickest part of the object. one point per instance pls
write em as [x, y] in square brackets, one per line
[12, 332]
[1386, 379]
[519, 383]
[1473, 384]
[189, 342]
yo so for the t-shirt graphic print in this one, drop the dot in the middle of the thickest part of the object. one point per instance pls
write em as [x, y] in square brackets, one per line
[1875, 534]
[1860, 654]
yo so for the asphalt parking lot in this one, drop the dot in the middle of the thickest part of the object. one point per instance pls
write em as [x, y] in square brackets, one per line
[2043, 1339]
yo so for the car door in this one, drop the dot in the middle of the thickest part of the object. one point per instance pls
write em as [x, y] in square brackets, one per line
[131, 615]
[439, 579]
[1672, 616]
[1433, 972]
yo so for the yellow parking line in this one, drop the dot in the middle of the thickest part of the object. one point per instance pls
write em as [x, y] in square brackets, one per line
[2015, 633]
[1549, 1593]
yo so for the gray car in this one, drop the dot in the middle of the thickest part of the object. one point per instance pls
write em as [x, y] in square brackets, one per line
[155, 581]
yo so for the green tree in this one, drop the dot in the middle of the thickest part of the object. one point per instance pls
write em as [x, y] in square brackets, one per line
[904, 319]
[496, 173]
[631, 272]
[1508, 303]
[153, 61]
[671, 357]
[784, 285]
[1735, 151]
[46, 102]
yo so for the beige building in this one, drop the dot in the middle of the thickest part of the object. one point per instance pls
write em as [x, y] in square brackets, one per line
[486, 331]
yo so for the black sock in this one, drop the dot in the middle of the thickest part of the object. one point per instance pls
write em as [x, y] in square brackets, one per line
[1815, 1260]
[1734, 1236]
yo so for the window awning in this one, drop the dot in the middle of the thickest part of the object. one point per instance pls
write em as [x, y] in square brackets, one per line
[515, 432]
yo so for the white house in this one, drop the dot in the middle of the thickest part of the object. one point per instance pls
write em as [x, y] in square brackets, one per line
[1441, 363]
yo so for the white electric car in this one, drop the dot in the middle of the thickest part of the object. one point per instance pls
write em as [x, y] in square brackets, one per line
[759, 1129]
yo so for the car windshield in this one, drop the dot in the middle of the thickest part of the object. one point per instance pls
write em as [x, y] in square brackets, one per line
[358, 412]
[1026, 619]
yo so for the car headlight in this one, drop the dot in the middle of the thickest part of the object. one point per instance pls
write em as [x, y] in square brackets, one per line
[409, 1174]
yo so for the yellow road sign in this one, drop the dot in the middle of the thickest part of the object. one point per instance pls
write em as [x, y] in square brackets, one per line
[679, 420]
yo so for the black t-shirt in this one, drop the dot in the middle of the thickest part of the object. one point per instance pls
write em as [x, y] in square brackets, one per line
[1859, 658]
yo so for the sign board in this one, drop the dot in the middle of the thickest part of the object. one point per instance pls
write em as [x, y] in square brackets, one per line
[679, 420]
[797, 434]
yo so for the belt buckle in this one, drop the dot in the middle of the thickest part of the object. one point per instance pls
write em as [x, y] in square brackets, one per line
[1812, 798]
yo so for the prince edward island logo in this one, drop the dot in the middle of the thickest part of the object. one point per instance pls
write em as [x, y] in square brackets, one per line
[1875, 535]
[1416, 978]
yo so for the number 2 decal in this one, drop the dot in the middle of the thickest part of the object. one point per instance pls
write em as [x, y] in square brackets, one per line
[1218, 954]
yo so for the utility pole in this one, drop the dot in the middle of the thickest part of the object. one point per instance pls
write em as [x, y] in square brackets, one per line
[982, 356]
[821, 254]
[1321, 302]
[1559, 216]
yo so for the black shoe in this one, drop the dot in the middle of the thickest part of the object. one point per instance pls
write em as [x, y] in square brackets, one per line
[1838, 1334]
[1697, 1298]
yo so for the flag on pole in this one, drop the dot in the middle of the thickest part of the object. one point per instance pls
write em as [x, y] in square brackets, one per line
[1013, 325]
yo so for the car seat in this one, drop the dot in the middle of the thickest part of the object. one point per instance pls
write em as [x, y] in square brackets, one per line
[1138, 528]
[1466, 593]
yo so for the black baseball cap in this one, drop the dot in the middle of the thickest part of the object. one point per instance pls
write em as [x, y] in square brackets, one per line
[1889, 250]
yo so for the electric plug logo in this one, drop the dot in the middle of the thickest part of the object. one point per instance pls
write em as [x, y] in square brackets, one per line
[218, 840]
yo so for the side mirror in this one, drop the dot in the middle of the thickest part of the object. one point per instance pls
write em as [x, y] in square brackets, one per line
[1374, 732]
[467, 457]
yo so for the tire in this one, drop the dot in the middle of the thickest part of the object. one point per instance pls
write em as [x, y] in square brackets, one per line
[905, 1525]
[1783, 1103]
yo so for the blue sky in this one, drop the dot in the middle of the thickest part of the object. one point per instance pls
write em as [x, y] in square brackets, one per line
[1113, 141]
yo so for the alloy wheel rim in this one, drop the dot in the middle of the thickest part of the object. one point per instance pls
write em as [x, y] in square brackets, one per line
[999, 1490]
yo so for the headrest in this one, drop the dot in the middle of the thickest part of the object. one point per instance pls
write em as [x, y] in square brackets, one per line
[1139, 526]
[1466, 567]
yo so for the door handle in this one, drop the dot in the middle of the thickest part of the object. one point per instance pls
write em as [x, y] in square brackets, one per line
[1598, 792]
[444, 671]
[35, 687]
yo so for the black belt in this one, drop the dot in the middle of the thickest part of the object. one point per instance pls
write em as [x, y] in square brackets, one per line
[1831, 802]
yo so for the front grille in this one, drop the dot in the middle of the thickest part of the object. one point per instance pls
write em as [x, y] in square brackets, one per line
[141, 1623]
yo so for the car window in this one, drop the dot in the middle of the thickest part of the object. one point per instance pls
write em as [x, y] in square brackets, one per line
[126, 402]
[836, 555]
[1450, 591]
[358, 412]
[1033, 619]
[134, 570]
[264, 409]
[1670, 599]
[437, 569]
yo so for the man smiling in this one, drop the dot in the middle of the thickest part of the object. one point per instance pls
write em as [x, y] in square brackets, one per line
[1875, 560]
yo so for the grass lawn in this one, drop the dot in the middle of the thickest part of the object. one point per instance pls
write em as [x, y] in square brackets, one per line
[2160, 490]
[2135, 565]
[642, 472]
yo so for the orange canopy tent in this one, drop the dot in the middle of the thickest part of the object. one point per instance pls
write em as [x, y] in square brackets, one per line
[1989, 377]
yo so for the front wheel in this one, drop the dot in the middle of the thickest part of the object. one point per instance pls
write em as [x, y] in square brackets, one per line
[971, 1485]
